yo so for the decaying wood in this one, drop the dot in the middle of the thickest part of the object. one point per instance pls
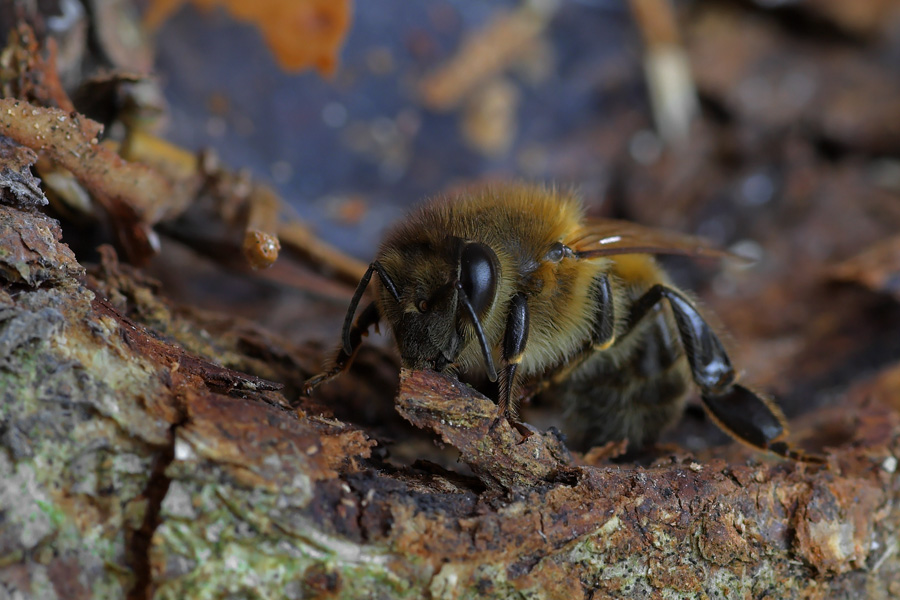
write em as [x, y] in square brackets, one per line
[71, 140]
[498, 453]
[18, 187]
[28, 74]
[167, 482]
[134, 195]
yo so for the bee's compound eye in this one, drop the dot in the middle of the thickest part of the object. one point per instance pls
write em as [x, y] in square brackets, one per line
[478, 275]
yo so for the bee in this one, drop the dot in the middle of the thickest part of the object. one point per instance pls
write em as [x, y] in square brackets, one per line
[513, 282]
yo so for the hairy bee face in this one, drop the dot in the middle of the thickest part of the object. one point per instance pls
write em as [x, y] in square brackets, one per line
[442, 290]
[426, 324]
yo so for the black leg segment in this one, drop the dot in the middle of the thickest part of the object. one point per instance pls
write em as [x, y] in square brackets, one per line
[514, 341]
[604, 332]
[357, 296]
[710, 366]
[352, 341]
[746, 416]
[749, 417]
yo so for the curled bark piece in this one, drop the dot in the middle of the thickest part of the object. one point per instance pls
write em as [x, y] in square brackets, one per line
[31, 252]
[467, 420]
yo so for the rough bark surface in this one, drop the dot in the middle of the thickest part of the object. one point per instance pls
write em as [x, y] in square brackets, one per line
[135, 468]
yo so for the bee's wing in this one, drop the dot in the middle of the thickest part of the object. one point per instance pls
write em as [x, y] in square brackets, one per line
[604, 237]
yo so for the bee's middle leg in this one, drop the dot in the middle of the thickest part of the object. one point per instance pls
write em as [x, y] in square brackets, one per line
[603, 335]
[742, 413]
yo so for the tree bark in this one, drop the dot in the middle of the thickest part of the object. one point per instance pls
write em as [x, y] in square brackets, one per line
[134, 468]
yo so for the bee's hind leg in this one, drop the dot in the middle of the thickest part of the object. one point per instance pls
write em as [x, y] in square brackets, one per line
[747, 416]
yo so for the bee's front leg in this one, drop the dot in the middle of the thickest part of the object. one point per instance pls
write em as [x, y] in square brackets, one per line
[514, 340]
[345, 354]
[747, 416]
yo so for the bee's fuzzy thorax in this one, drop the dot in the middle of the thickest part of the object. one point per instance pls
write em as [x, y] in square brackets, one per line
[520, 222]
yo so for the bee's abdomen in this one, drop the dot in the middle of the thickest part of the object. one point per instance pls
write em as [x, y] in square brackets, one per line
[631, 391]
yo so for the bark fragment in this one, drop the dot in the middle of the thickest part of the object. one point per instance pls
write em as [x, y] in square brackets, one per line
[32, 252]
[18, 187]
[468, 421]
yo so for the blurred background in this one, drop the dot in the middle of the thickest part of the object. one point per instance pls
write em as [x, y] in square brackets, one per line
[391, 124]
[410, 107]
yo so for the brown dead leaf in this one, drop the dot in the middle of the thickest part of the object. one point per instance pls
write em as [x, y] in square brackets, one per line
[877, 268]
[300, 33]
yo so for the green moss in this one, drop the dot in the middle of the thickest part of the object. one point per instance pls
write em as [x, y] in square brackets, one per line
[57, 517]
[71, 472]
[246, 543]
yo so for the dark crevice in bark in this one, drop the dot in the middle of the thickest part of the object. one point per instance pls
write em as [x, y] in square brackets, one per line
[142, 539]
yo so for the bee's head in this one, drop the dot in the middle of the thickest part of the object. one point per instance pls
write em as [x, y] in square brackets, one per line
[431, 294]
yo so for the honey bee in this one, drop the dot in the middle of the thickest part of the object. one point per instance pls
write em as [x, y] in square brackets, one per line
[513, 282]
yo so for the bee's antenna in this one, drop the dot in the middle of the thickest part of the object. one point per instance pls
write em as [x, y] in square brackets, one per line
[357, 295]
[479, 332]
